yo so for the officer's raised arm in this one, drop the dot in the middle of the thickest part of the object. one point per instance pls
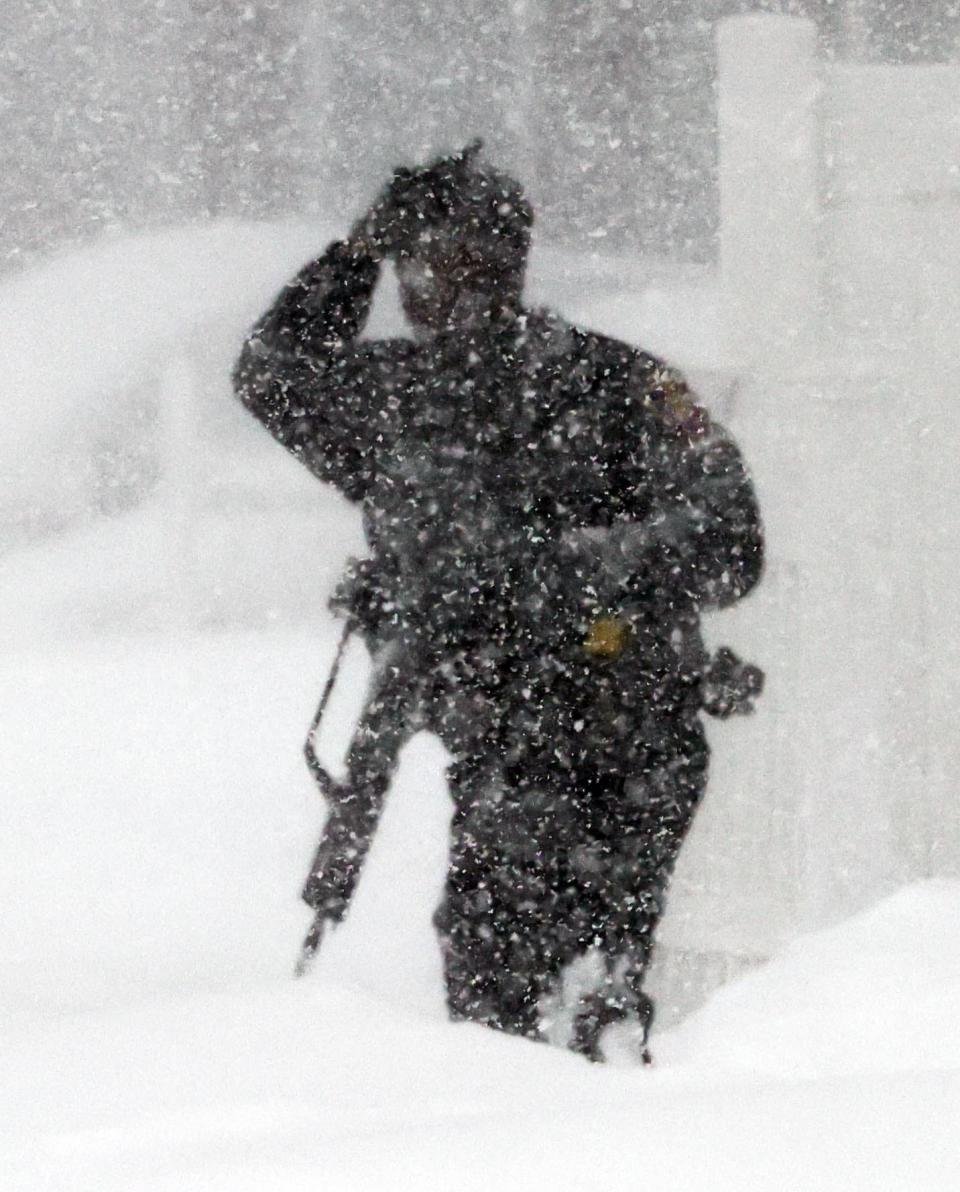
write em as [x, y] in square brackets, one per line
[303, 375]
[298, 370]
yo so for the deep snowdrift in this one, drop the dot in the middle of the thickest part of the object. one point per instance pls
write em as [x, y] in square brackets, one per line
[157, 822]
[320, 1084]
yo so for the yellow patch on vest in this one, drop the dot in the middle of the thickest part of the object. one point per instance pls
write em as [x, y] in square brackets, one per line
[671, 395]
[606, 637]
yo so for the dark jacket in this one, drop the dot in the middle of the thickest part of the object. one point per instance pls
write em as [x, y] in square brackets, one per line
[516, 482]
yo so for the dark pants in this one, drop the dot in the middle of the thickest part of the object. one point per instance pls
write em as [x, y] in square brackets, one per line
[557, 879]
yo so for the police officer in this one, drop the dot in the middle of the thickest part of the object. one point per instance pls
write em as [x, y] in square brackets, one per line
[548, 512]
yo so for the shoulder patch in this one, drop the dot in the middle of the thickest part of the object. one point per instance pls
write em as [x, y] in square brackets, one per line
[671, 400]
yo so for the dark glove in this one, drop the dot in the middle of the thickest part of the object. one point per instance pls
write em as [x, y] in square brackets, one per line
[419, 198]
[392, 221]
[326, 304]
[361, 595]
[730, 685]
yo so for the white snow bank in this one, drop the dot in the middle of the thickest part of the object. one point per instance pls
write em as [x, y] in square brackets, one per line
[230, 566]
[86, 323]
[879, 992]
[319, 1085]
[85, 337]
[157, 822]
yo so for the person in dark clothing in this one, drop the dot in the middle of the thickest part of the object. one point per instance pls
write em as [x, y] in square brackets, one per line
[548, 512]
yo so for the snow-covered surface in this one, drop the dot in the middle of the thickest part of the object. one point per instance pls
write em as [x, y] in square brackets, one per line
[91, 321]
[157, 819]
[86, 334]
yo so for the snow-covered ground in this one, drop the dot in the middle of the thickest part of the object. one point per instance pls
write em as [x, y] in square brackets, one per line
[158, 819]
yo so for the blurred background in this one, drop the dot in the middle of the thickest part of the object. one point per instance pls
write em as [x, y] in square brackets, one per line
[767, 194]
[156, 111]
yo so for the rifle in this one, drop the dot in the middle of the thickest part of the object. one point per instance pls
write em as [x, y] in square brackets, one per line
[354, 805]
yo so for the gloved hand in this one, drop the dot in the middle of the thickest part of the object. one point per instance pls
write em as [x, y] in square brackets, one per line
[361, 595]
[730, 685]
[418, 198]
[391, 222]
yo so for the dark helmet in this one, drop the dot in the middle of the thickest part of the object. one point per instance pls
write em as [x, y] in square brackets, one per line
[462, 199]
